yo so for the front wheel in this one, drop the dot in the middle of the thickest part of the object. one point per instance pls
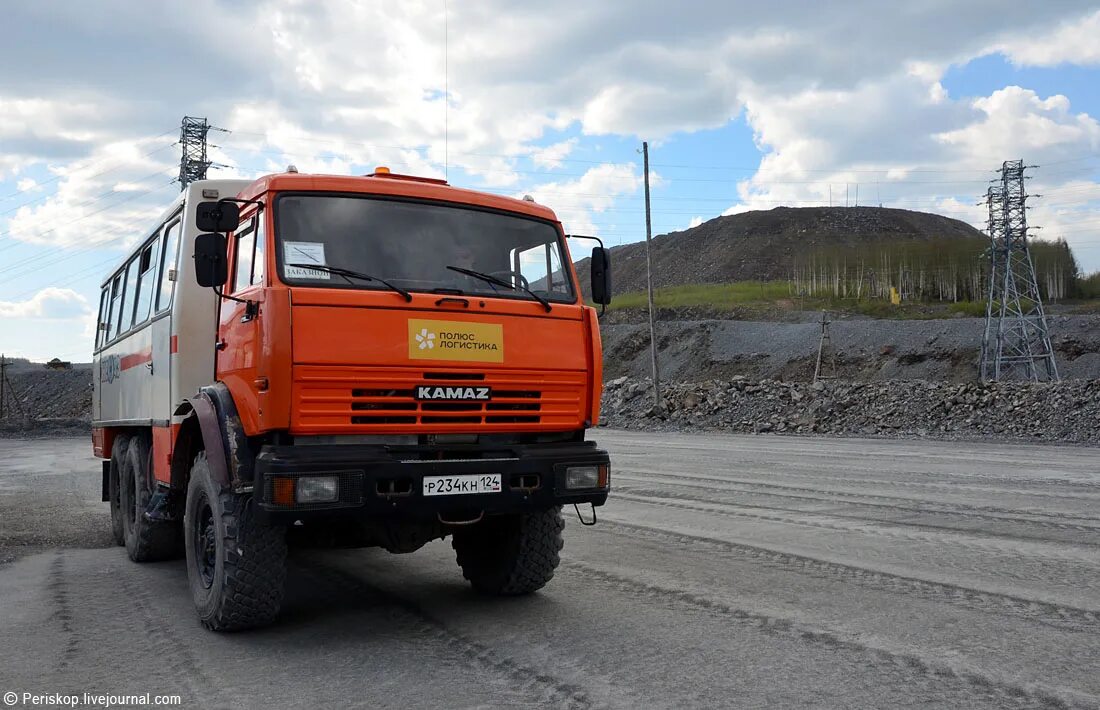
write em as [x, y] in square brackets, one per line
[236, 566]
[509, 555]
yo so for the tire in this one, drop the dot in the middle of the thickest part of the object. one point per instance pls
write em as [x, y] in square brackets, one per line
[118, 456]
[512, 554]
[236, 566]
[146, 541]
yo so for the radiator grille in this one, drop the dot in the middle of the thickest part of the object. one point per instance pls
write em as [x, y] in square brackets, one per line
[367, 400]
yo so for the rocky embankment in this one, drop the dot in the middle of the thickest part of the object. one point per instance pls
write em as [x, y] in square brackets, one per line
[863, 349]
[42, 402]
[1066, 411]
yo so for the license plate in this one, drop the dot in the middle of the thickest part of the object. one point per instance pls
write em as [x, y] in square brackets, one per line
[460, 485]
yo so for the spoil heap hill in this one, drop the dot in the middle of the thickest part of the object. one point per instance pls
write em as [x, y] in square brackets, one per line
[766, 245]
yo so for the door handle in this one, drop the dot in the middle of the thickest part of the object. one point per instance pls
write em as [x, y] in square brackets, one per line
[150, 366]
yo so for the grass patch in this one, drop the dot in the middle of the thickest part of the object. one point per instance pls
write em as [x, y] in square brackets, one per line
[764, 298]
[720, 296]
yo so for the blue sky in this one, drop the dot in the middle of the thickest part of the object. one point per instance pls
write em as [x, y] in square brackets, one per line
[744, 106]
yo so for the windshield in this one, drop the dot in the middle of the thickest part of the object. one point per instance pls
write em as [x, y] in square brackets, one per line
[412, 244]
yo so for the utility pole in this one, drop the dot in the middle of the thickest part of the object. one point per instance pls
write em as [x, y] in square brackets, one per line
[1017, 342]
[649, 280]
[4, 382]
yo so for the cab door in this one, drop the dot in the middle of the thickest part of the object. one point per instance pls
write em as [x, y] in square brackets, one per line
[239, 331]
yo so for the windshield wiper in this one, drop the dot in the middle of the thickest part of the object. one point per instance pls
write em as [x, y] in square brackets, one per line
[353, 274]
[502, 282]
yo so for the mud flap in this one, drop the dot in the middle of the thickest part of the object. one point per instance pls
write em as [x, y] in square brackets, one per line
[107, 481]
[166, 505]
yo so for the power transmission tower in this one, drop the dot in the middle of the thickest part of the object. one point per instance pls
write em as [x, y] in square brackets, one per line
[193, 160]
[1016, 343]
[825, 350]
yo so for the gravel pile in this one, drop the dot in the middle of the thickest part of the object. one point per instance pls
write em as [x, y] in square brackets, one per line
[50, 402]
[1065, 411]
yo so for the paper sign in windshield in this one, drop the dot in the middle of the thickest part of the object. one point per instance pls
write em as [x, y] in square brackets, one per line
[304, 253]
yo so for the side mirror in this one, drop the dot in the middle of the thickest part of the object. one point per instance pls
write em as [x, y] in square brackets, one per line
[211, 264]
[601, 276]
[219, 216]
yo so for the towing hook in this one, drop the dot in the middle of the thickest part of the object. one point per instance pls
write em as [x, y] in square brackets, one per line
[581, 517]
[469, 521]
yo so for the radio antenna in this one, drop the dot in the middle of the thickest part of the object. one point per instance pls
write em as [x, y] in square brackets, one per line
[446, 95]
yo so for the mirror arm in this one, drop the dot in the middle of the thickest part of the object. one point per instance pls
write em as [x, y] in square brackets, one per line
[248, 304]
[243, 202]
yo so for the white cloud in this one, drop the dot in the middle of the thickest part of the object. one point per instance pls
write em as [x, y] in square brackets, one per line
[27, 185]
[552, 155]
[1018, 122]
[50, 303]
[695, 222]
[1073, 41]
[108, 203]
[575, 201]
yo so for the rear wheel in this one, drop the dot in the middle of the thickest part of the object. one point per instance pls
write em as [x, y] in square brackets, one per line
[114, 490]
[236, 566]
[511, 554]
[146, 541]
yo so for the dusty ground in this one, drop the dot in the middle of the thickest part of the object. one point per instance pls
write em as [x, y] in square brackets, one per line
[726, 571]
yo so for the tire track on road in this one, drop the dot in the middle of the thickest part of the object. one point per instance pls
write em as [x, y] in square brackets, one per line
[991, 513]
[1059, 616]
[1035, 573]
[660, 497]
[165, 643]
[550, 689]
[58, 587]
[886, 662]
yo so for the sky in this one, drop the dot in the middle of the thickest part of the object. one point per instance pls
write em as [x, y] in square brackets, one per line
[745, 106]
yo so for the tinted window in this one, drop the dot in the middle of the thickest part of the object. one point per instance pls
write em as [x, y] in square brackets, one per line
[246, 242]
[415, 244]
[168, 265]
[146, 279]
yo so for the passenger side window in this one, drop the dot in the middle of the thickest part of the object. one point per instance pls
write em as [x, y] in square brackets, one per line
[541, 267]
[101, 322]
[245, 237]
[258, 252]
[146, 278]
[130, 290]
[168, 266]
[116, 305]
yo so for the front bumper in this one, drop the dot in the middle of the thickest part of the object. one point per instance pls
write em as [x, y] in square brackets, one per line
[385, 481]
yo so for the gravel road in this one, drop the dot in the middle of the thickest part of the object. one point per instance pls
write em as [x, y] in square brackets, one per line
[727, 571]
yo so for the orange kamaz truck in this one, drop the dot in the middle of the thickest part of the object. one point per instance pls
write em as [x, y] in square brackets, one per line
[373, 361]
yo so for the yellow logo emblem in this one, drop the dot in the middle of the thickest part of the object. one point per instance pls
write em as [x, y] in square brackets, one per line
[452, 340]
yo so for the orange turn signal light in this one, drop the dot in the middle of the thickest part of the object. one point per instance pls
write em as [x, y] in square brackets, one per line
[282, 490]
[605, 476]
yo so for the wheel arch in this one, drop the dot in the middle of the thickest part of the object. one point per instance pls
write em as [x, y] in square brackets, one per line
[212, 424]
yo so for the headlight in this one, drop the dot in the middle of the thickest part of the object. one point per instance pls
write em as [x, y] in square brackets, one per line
[317, 489]
[577, 477]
